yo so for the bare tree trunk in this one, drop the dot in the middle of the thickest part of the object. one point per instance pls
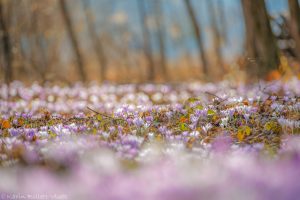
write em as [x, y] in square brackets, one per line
[73, 38]
[124, 52]
[97, 44]
[295, 24]
[6, 44]
[260, 41]
[216, 35]
[39, 55]
[147, 43]
[221, 9]
[159, 19]
[197, 31]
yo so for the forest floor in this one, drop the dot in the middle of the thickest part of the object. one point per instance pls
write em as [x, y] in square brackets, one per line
[150, 141]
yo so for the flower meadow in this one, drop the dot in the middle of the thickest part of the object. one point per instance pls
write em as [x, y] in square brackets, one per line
[150, 141]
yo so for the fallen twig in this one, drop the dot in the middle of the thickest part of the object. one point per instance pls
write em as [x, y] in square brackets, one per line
[209, 93]
[104, 115]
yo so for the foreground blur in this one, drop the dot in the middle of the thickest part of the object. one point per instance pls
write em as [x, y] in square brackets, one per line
[187, 141]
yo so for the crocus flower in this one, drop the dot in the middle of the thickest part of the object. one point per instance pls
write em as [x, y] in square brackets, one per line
[139, 122]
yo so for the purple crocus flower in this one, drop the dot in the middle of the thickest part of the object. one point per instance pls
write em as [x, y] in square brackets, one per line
[222, 144]
[82, 128]
[162, 129]
[111, 129]
[14, 132]
[120, 129]
[30, 133]
[149, 119]
[194, 119]
[129, 121]
[132, 141]
[169, 114]
[231, 112]
[139, 122]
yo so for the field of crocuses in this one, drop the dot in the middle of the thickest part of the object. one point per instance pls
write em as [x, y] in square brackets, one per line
[150, 141]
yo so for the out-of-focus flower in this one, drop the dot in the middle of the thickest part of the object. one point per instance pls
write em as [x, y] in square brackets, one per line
[60, 130]
[222, 143]
[15, 131]
[139, 122]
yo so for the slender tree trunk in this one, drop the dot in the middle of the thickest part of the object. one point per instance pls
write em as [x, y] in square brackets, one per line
[159, 18]
[38, 54]
[295, 24]
[260, 42]
[147, 43]
[216, 35]
[221, 9]
[6, 45]
[97, 44]
[198, 35]
[124, 52]
[69, 25]
[43, 57]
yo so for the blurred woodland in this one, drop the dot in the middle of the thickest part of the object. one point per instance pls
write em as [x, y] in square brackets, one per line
[148, 40]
